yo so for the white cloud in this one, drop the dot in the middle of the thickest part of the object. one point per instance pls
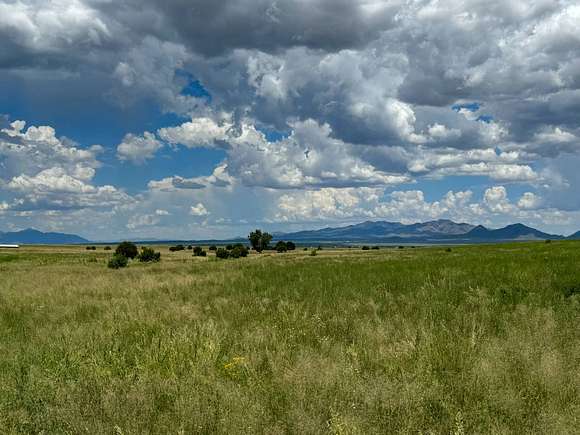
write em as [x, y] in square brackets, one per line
[198, 210]
[199, 132]
[529, 201]
[44, 172]
[138, 149]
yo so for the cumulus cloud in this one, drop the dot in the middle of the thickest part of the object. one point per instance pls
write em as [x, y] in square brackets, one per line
[405, 91]
[138, 149]
[199, 132]
[198, 210]
[44, 172]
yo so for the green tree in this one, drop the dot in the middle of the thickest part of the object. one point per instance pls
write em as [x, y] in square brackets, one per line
[259, 240]
[281, 246]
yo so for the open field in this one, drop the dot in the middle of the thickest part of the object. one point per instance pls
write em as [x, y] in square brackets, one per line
[483, 339]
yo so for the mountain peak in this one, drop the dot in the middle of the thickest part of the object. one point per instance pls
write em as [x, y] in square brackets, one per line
[31, 236]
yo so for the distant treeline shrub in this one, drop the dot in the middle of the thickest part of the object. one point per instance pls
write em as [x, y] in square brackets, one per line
[127, 250]
[177, 248]
[283, 246]
[148, 255]
[91, 248]
[235, 251]
[199, 252]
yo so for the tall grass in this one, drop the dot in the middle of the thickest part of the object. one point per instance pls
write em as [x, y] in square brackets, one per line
[478, 340]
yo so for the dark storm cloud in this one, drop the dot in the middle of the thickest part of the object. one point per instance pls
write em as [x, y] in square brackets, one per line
[215, 27]
[380, 74]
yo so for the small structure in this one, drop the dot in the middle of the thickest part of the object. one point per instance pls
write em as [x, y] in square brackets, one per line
[9, 246]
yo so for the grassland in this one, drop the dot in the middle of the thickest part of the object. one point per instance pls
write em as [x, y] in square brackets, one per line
[478, 340]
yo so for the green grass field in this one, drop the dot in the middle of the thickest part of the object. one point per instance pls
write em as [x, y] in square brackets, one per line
[482, 339]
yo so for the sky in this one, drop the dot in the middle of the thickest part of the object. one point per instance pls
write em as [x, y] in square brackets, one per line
[197, 119]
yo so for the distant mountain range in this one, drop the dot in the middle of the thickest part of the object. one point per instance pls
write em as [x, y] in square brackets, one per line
[433, 232]
[34, 237]
[440, 231]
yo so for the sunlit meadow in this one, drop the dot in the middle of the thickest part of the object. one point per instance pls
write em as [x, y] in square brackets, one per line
[482, 339]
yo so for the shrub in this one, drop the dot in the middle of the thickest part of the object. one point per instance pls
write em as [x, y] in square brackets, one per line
[91, 248]
[314, 252]
[401, 247]
[448, 250]
[148, 255]
[238, 251]
[127, 250]
[118, 261]
[365, 248]
[213, 248]
[571, 290]
[376, 248]
[281, 246]
[107, 248]
[548, 241]
[305, 249]
[229, 247]
[199, 252]
[291, 246]
[189, 247]
[222, 253]
[177, 248]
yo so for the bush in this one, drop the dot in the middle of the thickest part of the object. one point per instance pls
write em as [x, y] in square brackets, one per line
[448, 250]
[177, 248]
[291, 246]
[239, 251]
[107, 248]
[366, 248]
[148, 255]
[127, 250]
[281, 246]
[229, 247]
[91, 248]
[189, 247]
[314, 252]
[401, 247]
[199, 252]
[305, 249]
[548, 241]
[376, 248]
[213, 248]
[117, 262]
[222, 253]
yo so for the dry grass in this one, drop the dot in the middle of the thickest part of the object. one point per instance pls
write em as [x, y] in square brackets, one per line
[480, 340]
